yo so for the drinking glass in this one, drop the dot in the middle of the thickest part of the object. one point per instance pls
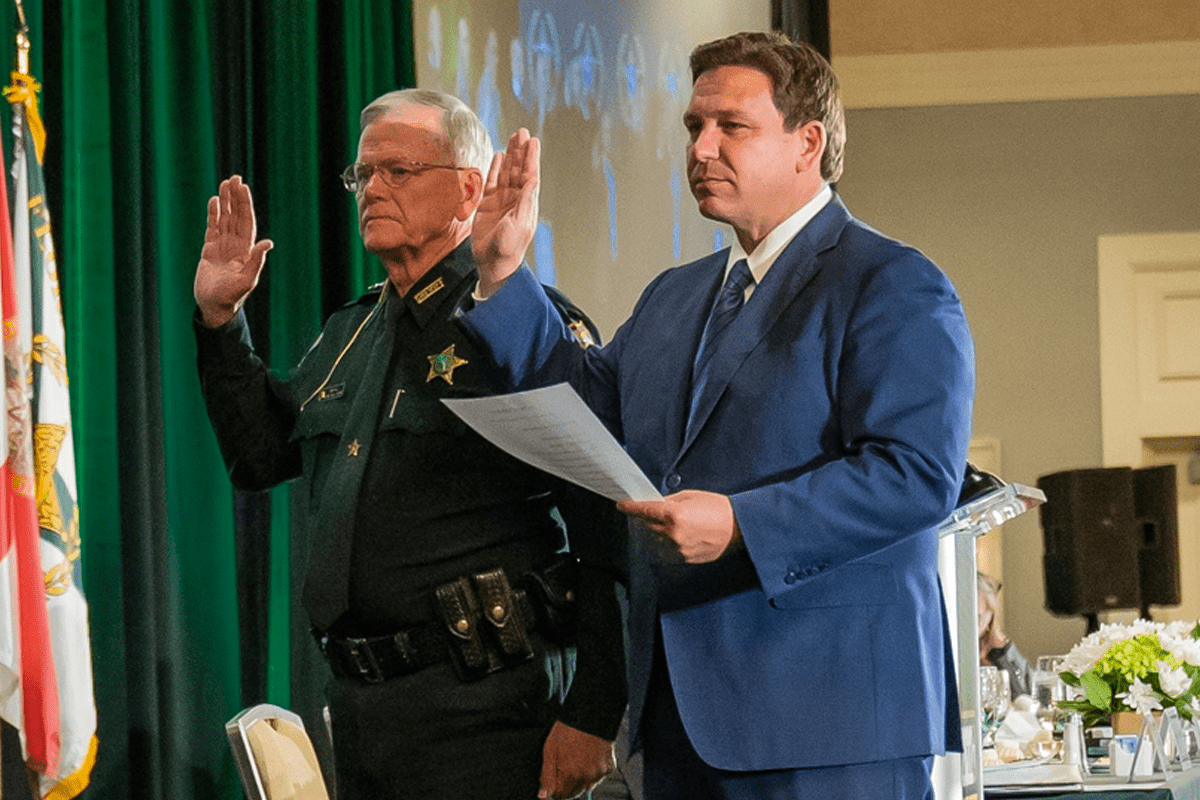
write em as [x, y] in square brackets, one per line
[1049, 663]
[1048, 689]
[994, 699]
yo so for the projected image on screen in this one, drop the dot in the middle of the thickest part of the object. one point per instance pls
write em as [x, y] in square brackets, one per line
[604, 86]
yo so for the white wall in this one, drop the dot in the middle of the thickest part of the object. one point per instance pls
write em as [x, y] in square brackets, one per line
[1009, 200]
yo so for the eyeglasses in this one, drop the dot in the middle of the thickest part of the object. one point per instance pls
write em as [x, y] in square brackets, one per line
[394, 173]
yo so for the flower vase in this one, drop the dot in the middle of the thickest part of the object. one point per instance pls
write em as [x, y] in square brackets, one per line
[1124, 722]
[1129, 722]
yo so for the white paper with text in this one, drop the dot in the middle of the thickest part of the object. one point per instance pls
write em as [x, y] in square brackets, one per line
[555, 431]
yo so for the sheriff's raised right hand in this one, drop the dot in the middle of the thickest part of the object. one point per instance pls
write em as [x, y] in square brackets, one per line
[231, 260]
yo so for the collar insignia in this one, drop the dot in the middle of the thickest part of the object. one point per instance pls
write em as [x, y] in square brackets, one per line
[429, 291]
[443, 365]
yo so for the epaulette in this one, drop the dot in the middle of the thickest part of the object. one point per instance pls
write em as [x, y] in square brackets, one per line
[582, 328]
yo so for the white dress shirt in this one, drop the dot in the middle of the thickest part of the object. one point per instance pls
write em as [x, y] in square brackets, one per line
[780, 237]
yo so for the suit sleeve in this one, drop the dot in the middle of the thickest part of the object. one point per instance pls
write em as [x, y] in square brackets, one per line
[250, 409]
[532, 347]
[903, 385]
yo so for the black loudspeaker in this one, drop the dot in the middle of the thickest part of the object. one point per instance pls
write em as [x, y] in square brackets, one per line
[1156, 507]
[1092, 541]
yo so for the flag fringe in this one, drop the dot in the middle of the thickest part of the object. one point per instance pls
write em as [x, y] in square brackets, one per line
[74, 784]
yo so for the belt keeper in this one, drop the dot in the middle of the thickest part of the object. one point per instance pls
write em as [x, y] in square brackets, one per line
[404, 647]
[369, 670]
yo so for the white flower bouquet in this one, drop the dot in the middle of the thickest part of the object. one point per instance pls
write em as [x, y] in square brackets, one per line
[1140, 667]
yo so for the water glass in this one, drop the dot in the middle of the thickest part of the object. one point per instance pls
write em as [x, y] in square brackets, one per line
[1048, 688]
[994, 700]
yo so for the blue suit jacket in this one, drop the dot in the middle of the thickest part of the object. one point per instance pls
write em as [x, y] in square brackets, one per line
[837, 419]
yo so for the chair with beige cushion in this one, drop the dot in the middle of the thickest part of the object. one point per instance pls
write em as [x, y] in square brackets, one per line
[274, 755]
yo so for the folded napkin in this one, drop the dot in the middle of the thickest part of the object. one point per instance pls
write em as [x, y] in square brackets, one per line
[1018, 728]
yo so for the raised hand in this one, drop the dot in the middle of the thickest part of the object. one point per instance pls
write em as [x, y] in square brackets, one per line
[231, 259]
[507, 215]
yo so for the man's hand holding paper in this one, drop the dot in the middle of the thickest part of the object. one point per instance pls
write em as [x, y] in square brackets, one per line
[700, 524]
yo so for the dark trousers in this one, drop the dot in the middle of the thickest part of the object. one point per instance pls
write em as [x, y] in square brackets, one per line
[674, 771]
[429, 736]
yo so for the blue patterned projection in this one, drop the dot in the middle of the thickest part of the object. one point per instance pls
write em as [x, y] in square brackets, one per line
[606, 92]
[543, 253]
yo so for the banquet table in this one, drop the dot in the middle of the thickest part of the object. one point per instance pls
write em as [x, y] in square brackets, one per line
[1116, 794]
[1177, 786]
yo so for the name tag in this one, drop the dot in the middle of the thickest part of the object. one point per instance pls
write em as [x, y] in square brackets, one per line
[332, 392]
[429, 291]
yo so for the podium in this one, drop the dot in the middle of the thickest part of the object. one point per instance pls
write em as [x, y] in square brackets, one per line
[989, 503]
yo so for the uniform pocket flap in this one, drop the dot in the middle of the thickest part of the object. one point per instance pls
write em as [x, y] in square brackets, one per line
[322, 416]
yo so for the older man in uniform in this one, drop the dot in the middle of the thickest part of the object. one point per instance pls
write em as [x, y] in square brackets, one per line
[437, 589]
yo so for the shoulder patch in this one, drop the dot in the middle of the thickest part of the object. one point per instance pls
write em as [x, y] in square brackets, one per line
[582, 328]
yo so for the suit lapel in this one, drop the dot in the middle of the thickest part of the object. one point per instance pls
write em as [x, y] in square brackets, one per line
[681, 338]
[792, 270]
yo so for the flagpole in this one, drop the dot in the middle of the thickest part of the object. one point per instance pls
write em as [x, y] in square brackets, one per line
[23, 43]
[22, 94]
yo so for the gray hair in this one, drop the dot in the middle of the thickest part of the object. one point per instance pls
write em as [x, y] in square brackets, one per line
[468, 138]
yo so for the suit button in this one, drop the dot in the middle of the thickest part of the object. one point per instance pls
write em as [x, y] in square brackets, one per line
[790, 578]
[673, 481]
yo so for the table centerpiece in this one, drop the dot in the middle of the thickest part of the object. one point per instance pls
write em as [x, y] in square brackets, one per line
[1140, 667]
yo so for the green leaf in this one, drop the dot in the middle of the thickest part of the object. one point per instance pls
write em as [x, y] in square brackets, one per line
[1075, 705]
[1196, 631]
[1069, 678]
[1098, 692]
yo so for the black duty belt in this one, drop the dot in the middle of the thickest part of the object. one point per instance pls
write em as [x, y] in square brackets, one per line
[375, 659]
[483, 627]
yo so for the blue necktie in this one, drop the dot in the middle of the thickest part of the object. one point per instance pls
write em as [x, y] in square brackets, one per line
[728, 303]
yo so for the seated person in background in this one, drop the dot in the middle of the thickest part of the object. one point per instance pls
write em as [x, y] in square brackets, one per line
[994, 647]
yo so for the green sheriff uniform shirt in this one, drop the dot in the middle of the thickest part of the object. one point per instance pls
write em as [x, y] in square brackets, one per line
[398, 490]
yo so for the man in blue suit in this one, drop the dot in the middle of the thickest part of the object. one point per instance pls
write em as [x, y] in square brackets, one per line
[803, 401]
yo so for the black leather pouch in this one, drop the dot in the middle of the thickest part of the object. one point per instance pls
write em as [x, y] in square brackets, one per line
[554, 591]
[502, 615]
[459, 610]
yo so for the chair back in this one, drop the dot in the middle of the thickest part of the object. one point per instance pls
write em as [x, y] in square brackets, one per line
[274, 755]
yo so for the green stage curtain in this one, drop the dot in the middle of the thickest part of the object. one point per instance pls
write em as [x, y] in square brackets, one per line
[148, 104]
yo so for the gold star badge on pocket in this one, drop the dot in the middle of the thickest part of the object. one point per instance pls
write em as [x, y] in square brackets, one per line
[443, 364]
